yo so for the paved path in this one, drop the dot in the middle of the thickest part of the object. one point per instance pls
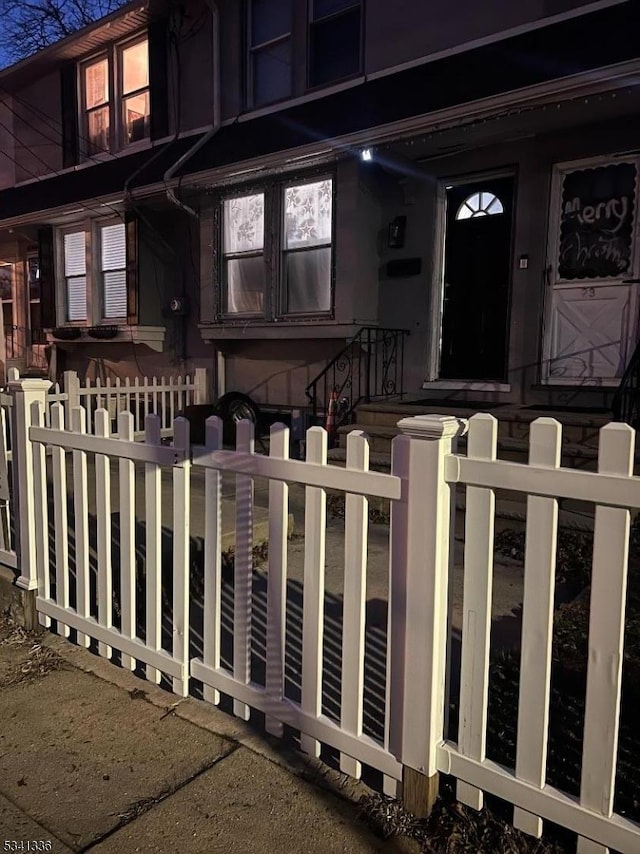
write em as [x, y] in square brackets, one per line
[93, 759]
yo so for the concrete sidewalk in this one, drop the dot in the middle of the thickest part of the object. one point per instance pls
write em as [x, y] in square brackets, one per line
[94, 759]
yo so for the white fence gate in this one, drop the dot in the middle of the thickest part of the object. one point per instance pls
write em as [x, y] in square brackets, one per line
[425, 469]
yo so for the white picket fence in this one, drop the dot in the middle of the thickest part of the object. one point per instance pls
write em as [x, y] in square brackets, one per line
[425, 470]
[165, 397]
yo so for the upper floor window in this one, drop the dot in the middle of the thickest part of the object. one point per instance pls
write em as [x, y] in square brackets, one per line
[270, 46]
[335, 40]
[115, 98]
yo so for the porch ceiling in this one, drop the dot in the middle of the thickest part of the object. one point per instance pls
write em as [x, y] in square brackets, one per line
[512, 125]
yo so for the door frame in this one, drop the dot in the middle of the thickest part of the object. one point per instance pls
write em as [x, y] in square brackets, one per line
[551, 283]
[436, 301]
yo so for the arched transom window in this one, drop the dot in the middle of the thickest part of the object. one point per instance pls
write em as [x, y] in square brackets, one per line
[480, 204]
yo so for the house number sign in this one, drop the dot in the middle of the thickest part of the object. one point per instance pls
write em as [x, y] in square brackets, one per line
[596, 222]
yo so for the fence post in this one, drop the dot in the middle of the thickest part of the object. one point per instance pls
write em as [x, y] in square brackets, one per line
[203, 387]
[25, 392]
[418, 602]
[71, 387]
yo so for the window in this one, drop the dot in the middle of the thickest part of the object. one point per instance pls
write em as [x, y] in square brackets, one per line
[307, 247]
[93, 272]
[285, 270]
[269, 51]
[134, 71]
[96, 98]
[335, 34]
[115, 97]
[75, 275]
[480, 204]
[243, 248]
[113, 264]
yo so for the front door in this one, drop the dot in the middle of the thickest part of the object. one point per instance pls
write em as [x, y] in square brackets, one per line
[477, 277]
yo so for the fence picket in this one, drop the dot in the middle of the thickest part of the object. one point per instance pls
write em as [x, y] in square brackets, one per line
[277, 578]
[154, 386]
[163, 402]
[172, 400]
[356, 526]
[606, 635]
[41, 513]
[243, 569]
[537, 623]
[103, 513]
[127, 484]
[476, 619]
[147, 400]
[212, 557]
[315, 522]
[59, 473]
[5, 526]
[81, 522]
[181, 564]
[153, 545]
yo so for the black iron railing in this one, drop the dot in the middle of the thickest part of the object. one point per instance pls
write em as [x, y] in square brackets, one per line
[370, 367]
[626, 401]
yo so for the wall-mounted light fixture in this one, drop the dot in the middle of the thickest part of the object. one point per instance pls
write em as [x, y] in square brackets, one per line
[396, 232]
[366, 154]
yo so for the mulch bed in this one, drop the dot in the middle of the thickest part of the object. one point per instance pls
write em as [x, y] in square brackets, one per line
[455, 829]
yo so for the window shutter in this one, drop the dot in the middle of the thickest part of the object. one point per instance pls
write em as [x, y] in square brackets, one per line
[69, 90]
[46, 265]
[75, 271]
[159, 78]
[132, 270]
[113, 251]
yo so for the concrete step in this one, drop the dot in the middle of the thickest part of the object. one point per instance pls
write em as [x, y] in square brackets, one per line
[513, 421]
[574, 455]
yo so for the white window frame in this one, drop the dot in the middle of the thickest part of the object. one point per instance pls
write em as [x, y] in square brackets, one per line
[61, 278]
[113, 55]
[94, 275]
[98, 276]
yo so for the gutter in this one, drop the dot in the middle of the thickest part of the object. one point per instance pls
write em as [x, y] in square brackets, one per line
[213, 130]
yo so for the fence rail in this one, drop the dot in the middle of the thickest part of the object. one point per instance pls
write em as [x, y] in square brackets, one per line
[156, 617]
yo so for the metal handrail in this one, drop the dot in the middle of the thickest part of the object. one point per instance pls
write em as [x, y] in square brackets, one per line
[370, 366]
[626, 401]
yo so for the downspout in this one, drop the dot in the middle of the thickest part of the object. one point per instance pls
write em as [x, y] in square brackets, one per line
[215, 127]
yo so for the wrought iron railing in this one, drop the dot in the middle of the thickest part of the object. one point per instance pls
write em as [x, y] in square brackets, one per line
[626, 401]
[370, 367]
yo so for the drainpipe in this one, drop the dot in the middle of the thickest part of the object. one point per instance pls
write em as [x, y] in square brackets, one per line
[215, 127]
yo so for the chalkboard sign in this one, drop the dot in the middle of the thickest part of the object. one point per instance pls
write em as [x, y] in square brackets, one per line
[596, 222]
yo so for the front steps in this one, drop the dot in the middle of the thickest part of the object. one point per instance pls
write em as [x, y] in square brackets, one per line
[580, 433]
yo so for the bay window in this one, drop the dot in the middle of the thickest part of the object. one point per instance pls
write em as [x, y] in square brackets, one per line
[286, 268]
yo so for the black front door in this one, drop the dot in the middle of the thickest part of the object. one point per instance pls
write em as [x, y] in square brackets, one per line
[477, 275]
